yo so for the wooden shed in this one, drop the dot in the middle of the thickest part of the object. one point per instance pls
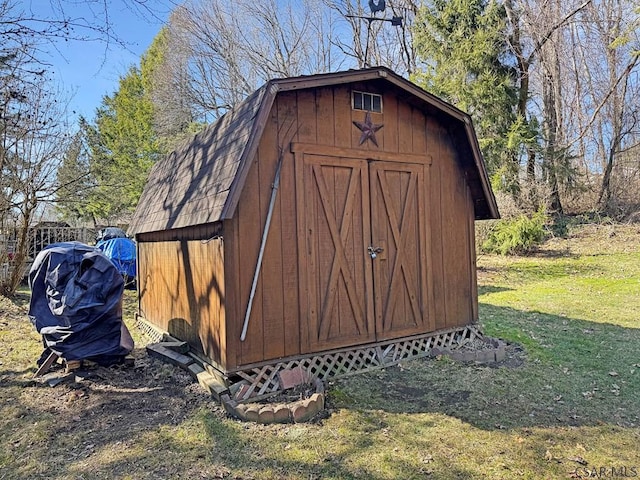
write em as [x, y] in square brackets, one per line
[327, 217]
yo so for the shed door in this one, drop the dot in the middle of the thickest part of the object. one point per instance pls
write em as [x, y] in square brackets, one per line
[351, 205]
[338, 271]
[398, 223]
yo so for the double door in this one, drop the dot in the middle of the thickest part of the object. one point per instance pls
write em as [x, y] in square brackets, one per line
[363, 250]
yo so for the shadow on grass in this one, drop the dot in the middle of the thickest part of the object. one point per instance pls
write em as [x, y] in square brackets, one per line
[154, 422]
[339, 460]
[575, 373]
[62, 429]
[529, 269]
[553, 254]
[486, 289]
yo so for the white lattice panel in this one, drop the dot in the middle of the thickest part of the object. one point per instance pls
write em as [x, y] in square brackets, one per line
[264, 380]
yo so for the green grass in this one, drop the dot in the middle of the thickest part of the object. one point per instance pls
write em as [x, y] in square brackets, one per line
[565, 406]
[596, 288]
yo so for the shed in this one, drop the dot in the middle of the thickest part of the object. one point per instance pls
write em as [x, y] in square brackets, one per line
[363, 189]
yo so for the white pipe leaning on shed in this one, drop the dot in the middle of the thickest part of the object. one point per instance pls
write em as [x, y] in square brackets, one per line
[265, 233]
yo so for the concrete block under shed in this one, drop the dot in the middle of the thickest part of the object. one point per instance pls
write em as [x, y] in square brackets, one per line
[491, 350]
[160, 352]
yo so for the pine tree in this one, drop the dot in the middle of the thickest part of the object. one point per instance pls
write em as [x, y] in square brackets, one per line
[123, 146]
[74, 182]
[464, 54]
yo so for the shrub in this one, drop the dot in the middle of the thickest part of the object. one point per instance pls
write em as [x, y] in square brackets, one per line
[516, 236]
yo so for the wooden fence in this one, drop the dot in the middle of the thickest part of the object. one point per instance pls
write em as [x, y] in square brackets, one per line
[39, 237]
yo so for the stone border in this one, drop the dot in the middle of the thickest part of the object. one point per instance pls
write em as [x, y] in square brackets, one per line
[496, 351]
[294, 412]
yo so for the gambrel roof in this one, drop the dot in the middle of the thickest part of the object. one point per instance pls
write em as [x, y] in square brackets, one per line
[201, 182]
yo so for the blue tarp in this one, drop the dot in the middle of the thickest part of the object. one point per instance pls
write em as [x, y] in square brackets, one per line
[122, 253]
[76, 303]
[109, 233]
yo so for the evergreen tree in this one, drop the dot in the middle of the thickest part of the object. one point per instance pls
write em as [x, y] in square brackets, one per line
[463, 48]
[123, 146]
[133, 127]
[163, 82]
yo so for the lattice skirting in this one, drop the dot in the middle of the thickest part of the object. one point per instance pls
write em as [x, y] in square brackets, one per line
[264, 380]
[151, 331]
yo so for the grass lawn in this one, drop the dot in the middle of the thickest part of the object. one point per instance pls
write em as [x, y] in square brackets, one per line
[567, 405]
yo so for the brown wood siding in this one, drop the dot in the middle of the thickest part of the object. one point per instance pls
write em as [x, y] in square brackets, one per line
[250, 226]
[453, 239]
[279, 325]
[290, 333]
[473, 264]
[182, 291]
[274, 327]
[436, 267]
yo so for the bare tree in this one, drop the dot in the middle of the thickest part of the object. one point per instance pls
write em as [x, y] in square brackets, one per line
[19, 24]
[33, 139]
[220, 52]
[536, 30]
[589, 87]
[617, 88]
[378, 39]
[577, 63]
[551, 85]
[33, 134]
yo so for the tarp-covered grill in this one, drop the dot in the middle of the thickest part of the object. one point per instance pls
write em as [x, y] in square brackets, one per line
[76, 304]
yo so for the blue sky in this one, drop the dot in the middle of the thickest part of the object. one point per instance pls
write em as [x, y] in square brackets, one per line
[88, 70]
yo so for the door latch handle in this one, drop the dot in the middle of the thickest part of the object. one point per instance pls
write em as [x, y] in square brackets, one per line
[374, 251]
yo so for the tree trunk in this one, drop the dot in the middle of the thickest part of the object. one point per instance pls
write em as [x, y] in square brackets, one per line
[604, 198]
[19, 259]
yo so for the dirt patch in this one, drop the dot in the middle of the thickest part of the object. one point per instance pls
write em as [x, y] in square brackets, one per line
[515, 357]
[290, 395]
[114, 401]
[146, 393]
[91, 410]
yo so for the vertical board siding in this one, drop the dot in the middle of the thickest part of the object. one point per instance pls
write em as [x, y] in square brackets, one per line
[181, 285]
[390, 121]
[283, 322]
[250, 225]
[294, 128]
[271, 275]
[455, 240]
[404, 128]
[419, 131]
[190, 276]
[472, 255]
[274, 327]
[233, 306]
[342, 118]
[325, 125]
[436, 228]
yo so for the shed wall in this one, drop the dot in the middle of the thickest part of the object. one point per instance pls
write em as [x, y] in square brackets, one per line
[324, 117]
[181, 287]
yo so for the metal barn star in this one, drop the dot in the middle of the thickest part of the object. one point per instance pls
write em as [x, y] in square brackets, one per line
[368, 129]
